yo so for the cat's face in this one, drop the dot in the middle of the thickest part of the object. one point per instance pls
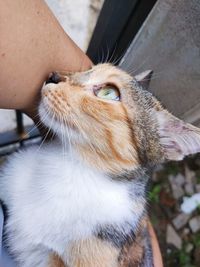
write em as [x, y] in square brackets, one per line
[110, 120]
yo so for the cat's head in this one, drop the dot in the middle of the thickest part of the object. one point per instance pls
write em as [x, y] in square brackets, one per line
[112, 122]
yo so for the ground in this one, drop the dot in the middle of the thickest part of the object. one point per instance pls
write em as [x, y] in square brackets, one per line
[178, 233]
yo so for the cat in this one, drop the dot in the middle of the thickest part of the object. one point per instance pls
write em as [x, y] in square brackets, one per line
[81, 199]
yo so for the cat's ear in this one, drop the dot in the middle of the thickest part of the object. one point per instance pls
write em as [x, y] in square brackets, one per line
[144, 78]
[177, 138]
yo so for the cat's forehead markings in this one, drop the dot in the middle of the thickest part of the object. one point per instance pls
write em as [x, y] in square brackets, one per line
[106, 77]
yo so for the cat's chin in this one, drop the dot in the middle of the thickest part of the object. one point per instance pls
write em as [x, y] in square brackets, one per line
[45, 116]
[67, 134]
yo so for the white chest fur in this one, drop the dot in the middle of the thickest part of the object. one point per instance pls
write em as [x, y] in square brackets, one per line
[54, 200]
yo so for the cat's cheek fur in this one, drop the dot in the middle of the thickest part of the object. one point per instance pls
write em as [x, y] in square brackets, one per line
[65, 134]
[102, 134]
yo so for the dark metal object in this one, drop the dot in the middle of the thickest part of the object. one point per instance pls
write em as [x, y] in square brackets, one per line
[118, 23]
[13, 139]
[20, 123]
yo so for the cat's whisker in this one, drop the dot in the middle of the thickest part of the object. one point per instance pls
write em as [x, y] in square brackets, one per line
[118, 59]
[70, 143]
[134, 71]
[103, 56]
[98, 56]
[48, 113]
[62, 137]
[46, 135]
[159, 74]
[138, 68]
[107, 56]
[34, 127]
[111, 57]
[53, 136]
[38, 124]
[37, 116]
[55, 130]
[69, 138]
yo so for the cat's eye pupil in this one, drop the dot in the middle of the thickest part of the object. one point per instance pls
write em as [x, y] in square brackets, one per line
[108, 92]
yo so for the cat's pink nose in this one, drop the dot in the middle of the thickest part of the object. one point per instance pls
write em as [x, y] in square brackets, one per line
[54, 77]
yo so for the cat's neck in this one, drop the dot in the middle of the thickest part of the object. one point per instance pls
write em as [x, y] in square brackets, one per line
[100, 163]
[104, 160]
[102, 199]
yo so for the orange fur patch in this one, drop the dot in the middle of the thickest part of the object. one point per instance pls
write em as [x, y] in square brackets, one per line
[93, 253]
[97, 253]
[55, 261]
[88, 253]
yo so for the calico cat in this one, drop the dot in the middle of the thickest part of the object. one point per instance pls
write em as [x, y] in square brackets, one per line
[80, 200]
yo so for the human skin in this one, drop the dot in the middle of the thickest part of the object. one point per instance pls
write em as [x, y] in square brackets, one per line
[157, 258]
[33, 44]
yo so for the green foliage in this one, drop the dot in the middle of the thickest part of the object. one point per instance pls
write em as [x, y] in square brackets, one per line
[154, 220]
[198, 178]
[154, 193]
[184, 258]
[198, 208]
[172, 168]
[196, 240]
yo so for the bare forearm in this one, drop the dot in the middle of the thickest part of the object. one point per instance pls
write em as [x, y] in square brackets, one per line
[32, 44]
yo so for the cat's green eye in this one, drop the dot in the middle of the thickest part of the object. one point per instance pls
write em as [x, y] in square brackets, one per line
[108, 92]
